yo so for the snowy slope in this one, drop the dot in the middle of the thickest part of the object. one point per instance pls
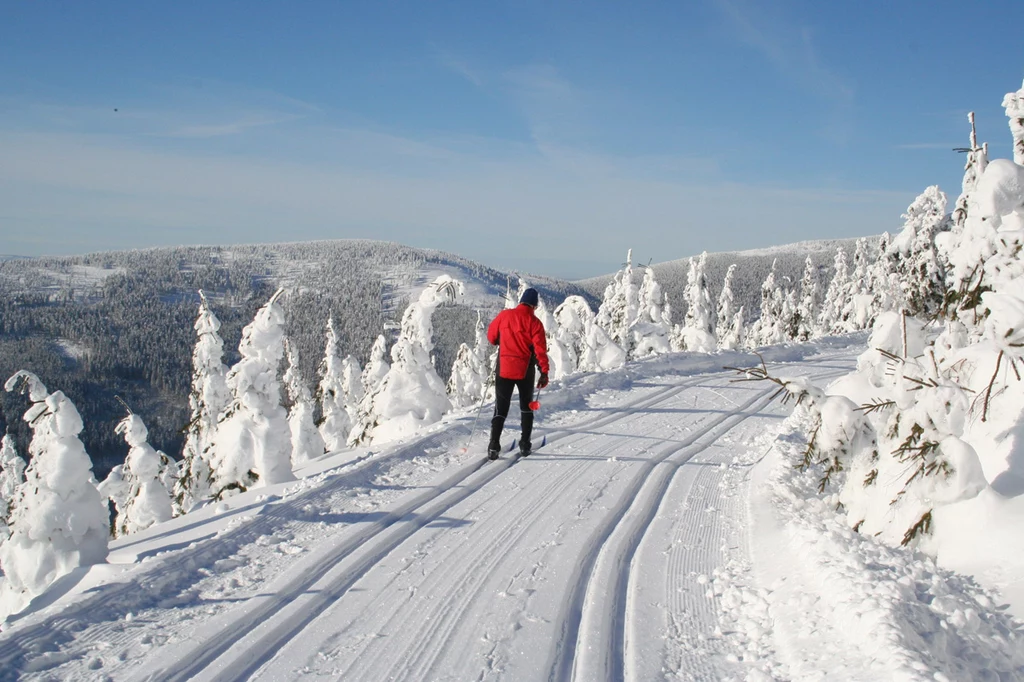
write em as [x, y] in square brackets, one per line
[644, 541]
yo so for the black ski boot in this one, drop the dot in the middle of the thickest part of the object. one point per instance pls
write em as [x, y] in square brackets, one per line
[525, 446]
[494, 446]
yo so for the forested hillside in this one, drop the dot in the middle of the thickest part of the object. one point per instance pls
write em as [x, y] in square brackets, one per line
[119, 325]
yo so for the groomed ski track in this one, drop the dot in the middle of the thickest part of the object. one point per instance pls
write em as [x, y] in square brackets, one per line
[585, 561]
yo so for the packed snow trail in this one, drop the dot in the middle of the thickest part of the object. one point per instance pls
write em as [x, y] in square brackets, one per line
[580, 562]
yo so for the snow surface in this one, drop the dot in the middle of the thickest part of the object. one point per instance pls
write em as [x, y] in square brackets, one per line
[659, 534]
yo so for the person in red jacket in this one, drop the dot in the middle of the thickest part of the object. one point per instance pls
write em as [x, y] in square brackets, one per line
[522, 346]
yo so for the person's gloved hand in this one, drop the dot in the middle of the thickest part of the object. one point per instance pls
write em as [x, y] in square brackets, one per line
[543, 381]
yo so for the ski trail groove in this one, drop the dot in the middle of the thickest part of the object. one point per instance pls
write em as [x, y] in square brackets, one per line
[591, 646]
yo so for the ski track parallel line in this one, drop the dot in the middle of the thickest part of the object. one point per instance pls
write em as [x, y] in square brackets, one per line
[566, 647]
[608, 572]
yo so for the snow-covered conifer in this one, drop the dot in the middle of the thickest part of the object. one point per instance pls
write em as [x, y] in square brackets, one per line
[411, 395]
[144, 497]
[59, 521]
[697, 333]
[208, 399]
[573, 317]
[807, 311]
[977, 159]
[768, 329]
[918, 264]
[307, 443]
[830, 319]
[620, 305]
[726, 306]
[352, 385]
[512, 299]
[600, 352]
[652, 329]
[253, 443]
[1014, 105]
[335, 422]
[857, 310]
[883, 282]
[471, 370]
[12, 474]
[376, 367]
[735, 335]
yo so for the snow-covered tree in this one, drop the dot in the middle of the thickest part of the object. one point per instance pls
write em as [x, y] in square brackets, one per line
[12, 474]
[726, 306]
[1014, 105]
[620, 305]
[697, 333]
[735, 335]
[335, 422]
[600, 352]
[352, 385]
[512, 299]
[574, 318]
[883, 279]
[252, 447]
[143, 497]
[918, 264]
[652, 329]
[472, 369]
[977, 159]
[769, 328]
[307, 443]
[411, 395]
[807, 311]
[376, 367]
[830, 319]
[208, 399]
[59, 521]
[857, 311]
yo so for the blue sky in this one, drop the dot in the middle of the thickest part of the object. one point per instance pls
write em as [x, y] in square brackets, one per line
[541, 136]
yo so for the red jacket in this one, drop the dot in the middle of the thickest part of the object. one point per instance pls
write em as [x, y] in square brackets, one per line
[519, 336]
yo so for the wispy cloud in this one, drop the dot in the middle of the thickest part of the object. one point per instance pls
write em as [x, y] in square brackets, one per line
[459, 66]
[789, 46]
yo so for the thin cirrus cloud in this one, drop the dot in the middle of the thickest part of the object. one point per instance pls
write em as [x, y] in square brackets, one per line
[790, 48]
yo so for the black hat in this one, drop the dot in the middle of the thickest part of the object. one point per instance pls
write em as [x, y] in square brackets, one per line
[530, 297]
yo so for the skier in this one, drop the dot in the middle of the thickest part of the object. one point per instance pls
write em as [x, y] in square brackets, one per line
[522, 347]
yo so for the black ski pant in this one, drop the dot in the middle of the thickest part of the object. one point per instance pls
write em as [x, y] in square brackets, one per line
[503, 400]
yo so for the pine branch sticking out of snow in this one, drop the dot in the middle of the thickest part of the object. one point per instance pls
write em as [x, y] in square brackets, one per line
[59, 521]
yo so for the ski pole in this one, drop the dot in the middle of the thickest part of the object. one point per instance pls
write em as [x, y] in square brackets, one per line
[535, 404]
[479, 410]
